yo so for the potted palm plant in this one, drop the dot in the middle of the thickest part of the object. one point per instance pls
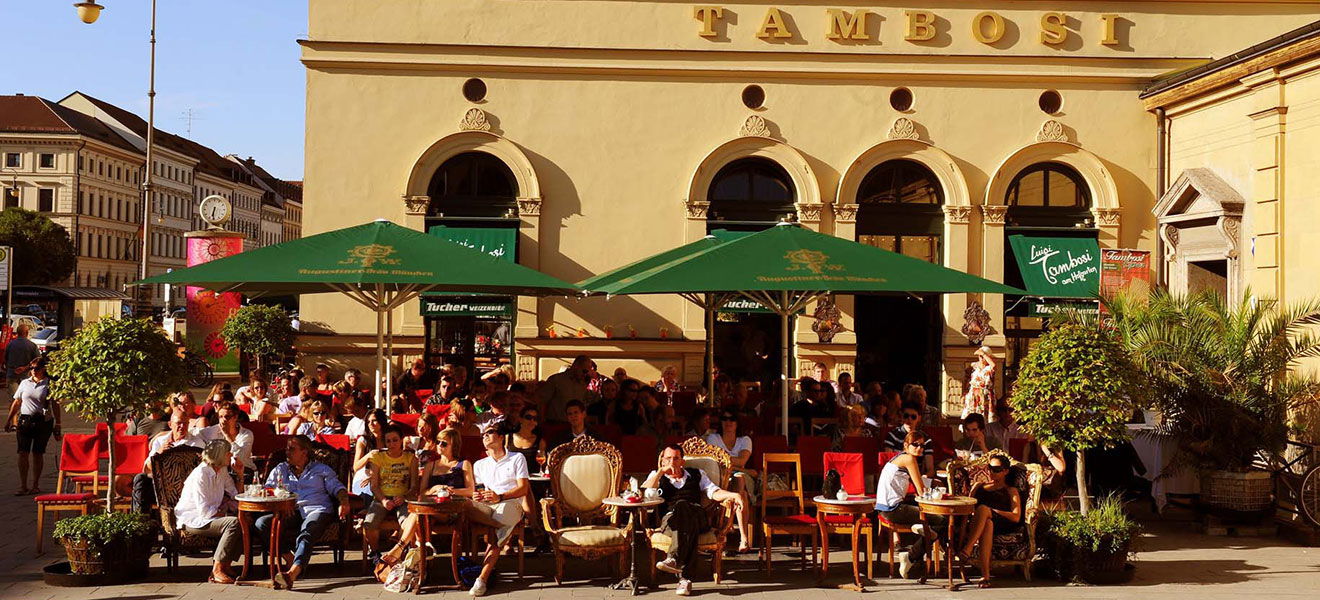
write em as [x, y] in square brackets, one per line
[1225, 378]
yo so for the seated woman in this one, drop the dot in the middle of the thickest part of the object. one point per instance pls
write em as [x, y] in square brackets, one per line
[424, 444]
[315, 418]
[373, 438]
[463, 417]
[852, 423]
[897, 475]
[393, 478]
[444, 472]
[739, 447]
[998, 510]
[628, 412]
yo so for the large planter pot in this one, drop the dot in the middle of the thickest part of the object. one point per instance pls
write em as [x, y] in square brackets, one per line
[1237, 491]
[130, 557]
[1102, 567]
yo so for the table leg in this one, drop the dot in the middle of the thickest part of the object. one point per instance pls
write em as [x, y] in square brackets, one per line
[824, 546]
[274, 547]
[456, 547]
[856, 530]
[949, 551]
[246, 528]
[630, 582]
[423, 536]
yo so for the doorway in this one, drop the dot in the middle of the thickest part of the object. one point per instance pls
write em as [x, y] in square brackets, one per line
[898, 342]
[748, 348]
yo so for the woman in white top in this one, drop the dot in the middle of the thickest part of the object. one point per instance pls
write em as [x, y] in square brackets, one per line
[891, 490]
[739, 447]
[372, 439]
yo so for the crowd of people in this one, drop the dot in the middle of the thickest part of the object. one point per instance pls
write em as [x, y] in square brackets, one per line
[391, 464]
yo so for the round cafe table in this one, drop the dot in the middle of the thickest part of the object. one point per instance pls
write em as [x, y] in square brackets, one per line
[951, 508]
[453, 520]
[634, 509]
[248, 507]
[855, 508]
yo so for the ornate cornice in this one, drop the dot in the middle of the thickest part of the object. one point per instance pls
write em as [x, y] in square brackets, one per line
[993, 214]
[845, 213]
[416, 205]
[903, 129]
[755, 126]
[957, 214]
[809, 212]
[697, 209]
[529, 207]
[474, 120]
[1052, 131]
[1108, 217]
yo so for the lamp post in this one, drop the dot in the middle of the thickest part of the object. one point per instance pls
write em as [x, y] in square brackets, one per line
[88, 12]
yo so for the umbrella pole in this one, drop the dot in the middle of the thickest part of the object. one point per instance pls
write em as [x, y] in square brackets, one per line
[785, 352]
[389, 353]
[710, 349]
[381, 307]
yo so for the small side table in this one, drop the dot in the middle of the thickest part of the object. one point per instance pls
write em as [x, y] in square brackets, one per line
[451, 509]
[951, 508]
[855, 507]
[634, 509]
[248, 506]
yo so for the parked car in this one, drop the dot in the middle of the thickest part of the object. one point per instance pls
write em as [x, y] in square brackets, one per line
[35, 323]
[47, 340]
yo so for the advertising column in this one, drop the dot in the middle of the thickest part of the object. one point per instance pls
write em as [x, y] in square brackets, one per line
[207, 310]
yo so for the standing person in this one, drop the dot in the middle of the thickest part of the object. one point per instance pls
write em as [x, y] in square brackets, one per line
[393, 475]
[571, 384]
[501, 482]
[144, 493]
[19, 355]
[668, 382]
[684, 519]
[980, 396]
[847, 396]
[898, 474]
[238, 437]
[315, 484]
[36, 416]
[204, 506]
[418, 377]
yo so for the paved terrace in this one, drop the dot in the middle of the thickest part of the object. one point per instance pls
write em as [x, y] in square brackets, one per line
[1176, 563]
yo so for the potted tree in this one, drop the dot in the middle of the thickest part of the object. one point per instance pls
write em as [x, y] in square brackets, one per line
[109, 367]
[1225, 380]
[1093, 547]
[259, 331]
[117, 544]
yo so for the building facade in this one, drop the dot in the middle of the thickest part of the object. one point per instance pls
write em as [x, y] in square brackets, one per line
[596, 133]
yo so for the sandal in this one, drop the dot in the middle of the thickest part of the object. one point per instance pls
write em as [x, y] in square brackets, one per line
[288, 581]
[213, 579]
[983, 583]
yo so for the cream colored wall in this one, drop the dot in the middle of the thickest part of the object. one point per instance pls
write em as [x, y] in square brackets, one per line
[1301, 212]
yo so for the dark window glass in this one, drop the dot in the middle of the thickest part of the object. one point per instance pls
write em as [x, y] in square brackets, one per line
[1048, 195]
[13, 160]
[46, 200]
[902, 209]
[47, 161]
[473, 184]
[751, 189]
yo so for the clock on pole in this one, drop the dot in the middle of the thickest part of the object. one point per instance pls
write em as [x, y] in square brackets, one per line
[215, 210]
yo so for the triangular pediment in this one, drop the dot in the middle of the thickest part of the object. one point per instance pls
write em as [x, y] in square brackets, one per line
[1199, 192]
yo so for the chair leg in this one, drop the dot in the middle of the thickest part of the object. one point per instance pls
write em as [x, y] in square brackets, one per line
[719, 563]
[765, 549]
[870, 554]
[41, 527]
[521, 548]
[559, 567]
[893, 544]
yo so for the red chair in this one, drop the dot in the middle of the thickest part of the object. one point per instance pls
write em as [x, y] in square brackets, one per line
[941, 440]
[553, 432]
[610, 434]
[1017, 448]
[769, 418]
[407, 421]
[441, 411]
[131, 453]
[337, 441]
[852, 473]
[867, 447]
[812, 449]
[79, 454]
[473, 449]
[684, 402]
[766, 444]
[101, 429]
[639, 454]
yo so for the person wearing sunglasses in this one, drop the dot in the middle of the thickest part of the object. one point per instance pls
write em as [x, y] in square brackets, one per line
[446, 472]
[910, 416]
[998, 511]
[316, 418]
[891, 501]
[729, 439]
[502, 482]
[239, 438]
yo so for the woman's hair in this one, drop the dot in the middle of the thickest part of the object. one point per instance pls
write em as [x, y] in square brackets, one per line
[431, 421]
[851, 415]
[454, 439]
[306, 412]
[916, 436]
[225, 397]
[307, 387]
[215, 389]
[382, 418]
[463, 402]
[341, 388]
[215, 452]
[914, 393]
[179, 398]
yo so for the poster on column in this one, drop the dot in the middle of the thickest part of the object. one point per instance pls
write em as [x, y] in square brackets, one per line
[207, 310]
[1123, 270]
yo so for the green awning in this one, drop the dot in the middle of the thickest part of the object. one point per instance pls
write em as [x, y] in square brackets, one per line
[715, 238]
[1058, 267]
[498, 242]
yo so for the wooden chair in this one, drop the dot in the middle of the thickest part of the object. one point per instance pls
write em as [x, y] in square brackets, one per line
[1016, 549]
[583, 473]
[169, 469]
[341, 462]
[797, 522]
[79, 455]
[717, 465]
[894, 529]
[852, 477]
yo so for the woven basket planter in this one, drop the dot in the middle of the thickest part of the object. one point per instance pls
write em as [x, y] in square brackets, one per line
[1241, 491]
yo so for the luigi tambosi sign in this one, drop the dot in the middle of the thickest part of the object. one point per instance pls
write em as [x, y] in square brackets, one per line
[1058, 267]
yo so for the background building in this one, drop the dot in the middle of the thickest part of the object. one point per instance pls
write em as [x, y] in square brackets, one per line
[585, 139]
[81, 162]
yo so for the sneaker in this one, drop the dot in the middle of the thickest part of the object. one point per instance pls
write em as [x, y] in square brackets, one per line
[478, 588]
[669, 565]
[904, 565]
[684, 587]
[919, 529]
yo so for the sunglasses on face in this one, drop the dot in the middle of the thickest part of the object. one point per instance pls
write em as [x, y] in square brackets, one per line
[443, 444]
[998, 468]
[317, 413]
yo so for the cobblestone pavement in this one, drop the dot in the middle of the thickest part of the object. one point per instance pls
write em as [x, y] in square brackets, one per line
[1176, 562]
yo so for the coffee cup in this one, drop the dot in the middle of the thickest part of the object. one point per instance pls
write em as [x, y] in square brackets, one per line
[653, 493]
[443, 494]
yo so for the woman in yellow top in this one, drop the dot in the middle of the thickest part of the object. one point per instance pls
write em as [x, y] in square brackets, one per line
[393, 475]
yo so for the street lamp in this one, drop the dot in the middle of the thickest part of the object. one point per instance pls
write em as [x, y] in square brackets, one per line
[88, 12]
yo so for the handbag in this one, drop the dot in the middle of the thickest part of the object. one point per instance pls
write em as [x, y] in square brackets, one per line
[29, 423]
[830, 486]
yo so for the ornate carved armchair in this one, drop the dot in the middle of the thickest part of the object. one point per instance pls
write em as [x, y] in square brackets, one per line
[1016, 549]
[717, 465]
[583, 473]
[169, 470]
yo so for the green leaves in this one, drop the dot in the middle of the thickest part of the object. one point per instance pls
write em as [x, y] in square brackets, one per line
[259, 330]
[116, 365]
[43, 252]
[1106, 527]
[102, 528]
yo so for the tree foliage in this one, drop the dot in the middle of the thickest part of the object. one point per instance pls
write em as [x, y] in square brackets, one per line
[259, 330]
[43, 252]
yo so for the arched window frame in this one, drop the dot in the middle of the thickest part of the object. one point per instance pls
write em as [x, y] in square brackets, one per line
[1050, 213]
[749, 209]
[500, 203]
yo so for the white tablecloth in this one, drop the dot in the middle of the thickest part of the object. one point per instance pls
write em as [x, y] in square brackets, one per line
[1156, 451]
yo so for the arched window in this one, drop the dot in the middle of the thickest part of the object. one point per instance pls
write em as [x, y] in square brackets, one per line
[901, 209]
[472, 184]
[1048, 194]
[751, 191]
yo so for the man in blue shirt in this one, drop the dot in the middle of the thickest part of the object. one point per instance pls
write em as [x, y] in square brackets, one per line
[318, 490]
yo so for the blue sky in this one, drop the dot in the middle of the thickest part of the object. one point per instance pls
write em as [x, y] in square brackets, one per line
[233, 62]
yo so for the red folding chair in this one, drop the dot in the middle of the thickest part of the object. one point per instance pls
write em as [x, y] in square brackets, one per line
[639, 454]
[852, 473]
[441, 411]
[130, 459]
[101, 429]
[610, 434]
[337, 441]
[79, 454]
[407, 421]
[867, 447]
[941, 440]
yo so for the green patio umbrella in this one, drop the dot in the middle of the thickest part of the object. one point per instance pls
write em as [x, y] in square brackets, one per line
[380, 265]
[786, 267]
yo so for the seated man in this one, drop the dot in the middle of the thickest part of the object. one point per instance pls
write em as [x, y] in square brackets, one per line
[203, 505]
[501, 480]
[314, 483]
[975, 441]
[144, 492]
[393, 476]
[576, 414]
[684, 519]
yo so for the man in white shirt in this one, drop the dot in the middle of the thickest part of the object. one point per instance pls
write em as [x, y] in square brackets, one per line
[203, 506]
[684, 519]
[501, 480]
[144, 494]
[238, 436]
[847, 396]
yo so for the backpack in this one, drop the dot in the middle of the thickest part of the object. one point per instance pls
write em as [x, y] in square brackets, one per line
[830, 486]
